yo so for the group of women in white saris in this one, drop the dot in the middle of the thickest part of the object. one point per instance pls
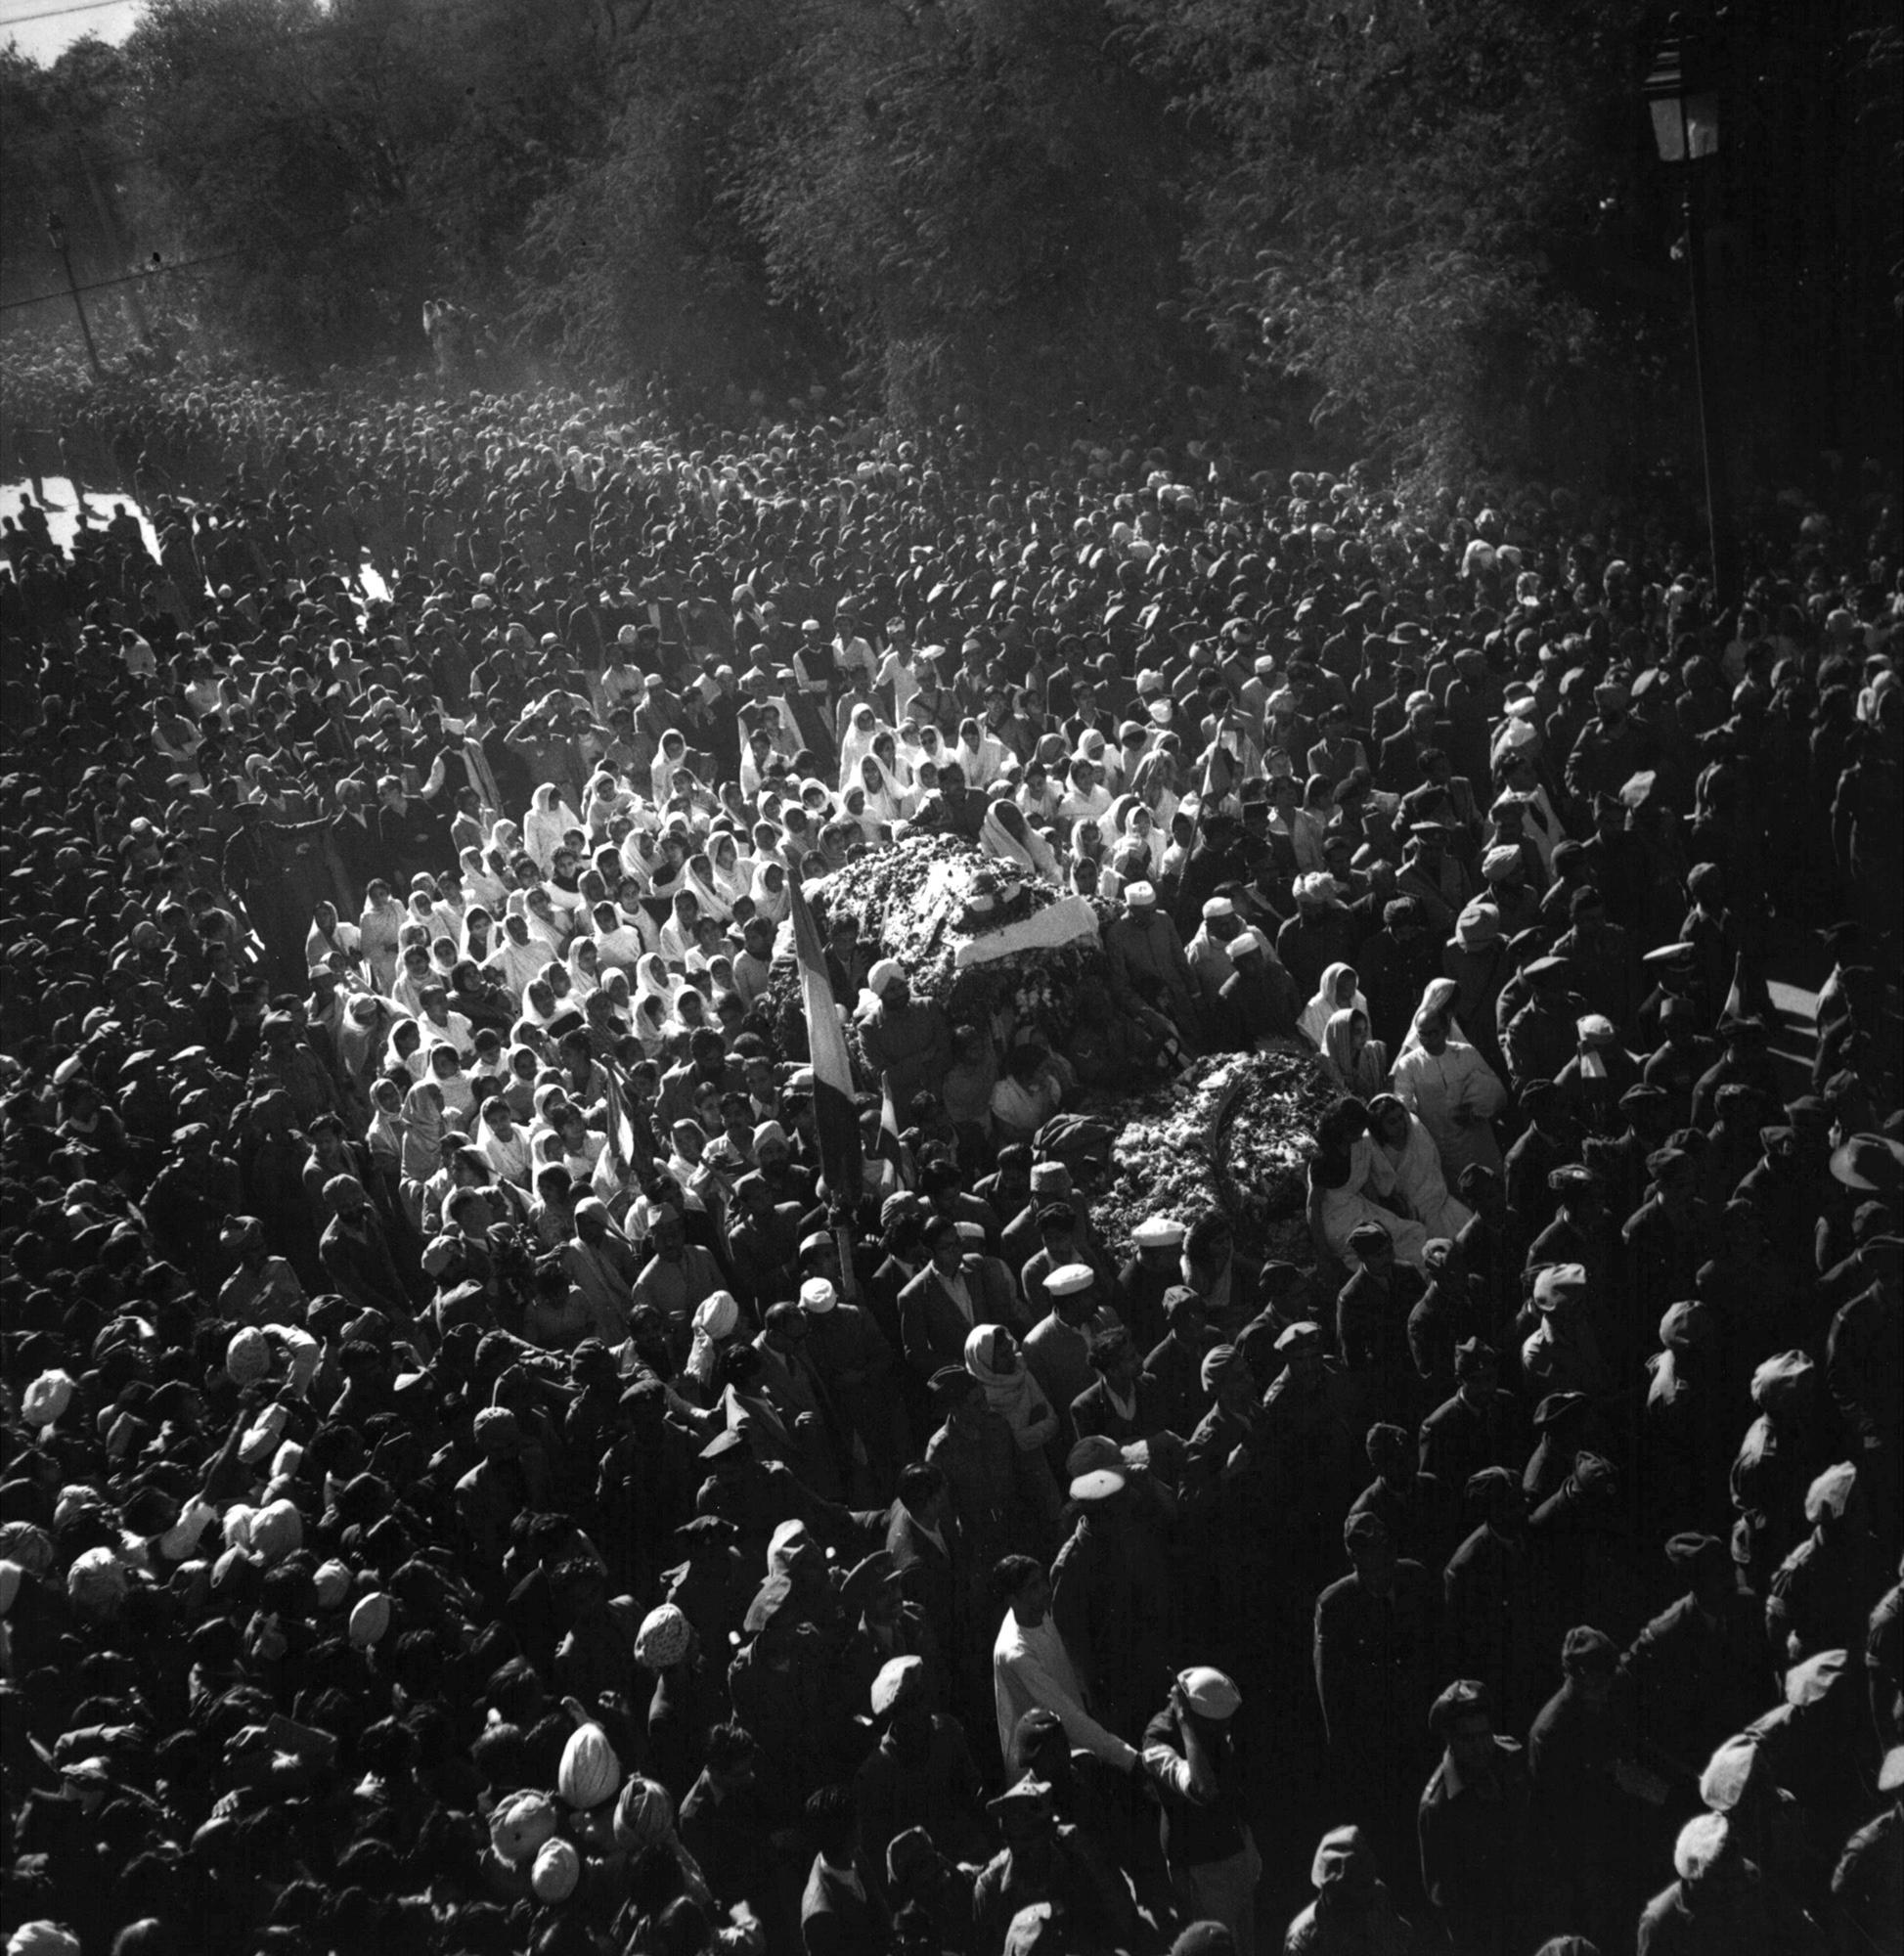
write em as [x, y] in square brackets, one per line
[1429, 1118]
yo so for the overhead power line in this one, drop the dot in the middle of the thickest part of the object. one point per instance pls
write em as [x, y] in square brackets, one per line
[160, 270]
[54, 13]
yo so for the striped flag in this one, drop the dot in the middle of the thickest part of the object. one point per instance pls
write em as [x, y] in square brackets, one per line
[836, 1113]
[892, 1147]
[625, 1151]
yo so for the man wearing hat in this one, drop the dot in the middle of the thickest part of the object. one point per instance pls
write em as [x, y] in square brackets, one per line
[1208, 954]
[1049, 1875]
[1174, 1366]
[1190, 1755]
[1147, 961]
[1815, 1600]
[907, 1044]
[1604, 966]
[1609, 748]
[1561, 1353]
[1868, 1883]
[1721, 1900]
[855, 1367]
[1434, 876]
[762, 1240]
[1584, 1230]
[1057, 1348]
[1670, 1236]
[782, 1691]
[1481, 1426]
[921, 1773]
[1695, 1671]
[1377, 1653]
[882, 1624]
[1146, 1275]
[1320, 934]
[1372, 1308]
[1477, 959]
[1593, 1799]
[1353, 1910]
[1544, 1034]
[1308, 1442]
[959, 1288]
[1112, 1597]
[1476, 1825]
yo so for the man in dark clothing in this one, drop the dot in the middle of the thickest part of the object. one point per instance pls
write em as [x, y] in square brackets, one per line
[1590, 1793]
[1378, 1653]
[1697, 1669]
[1476, 1828]
[1481, 1426]
[1489, 1587]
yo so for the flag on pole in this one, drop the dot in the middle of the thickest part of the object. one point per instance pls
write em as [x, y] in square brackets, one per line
[836, 1114]
[630, 1144]
[892, 1144]
[610, 1175]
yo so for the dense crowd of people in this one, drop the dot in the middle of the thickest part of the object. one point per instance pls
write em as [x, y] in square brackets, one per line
[472, 1486]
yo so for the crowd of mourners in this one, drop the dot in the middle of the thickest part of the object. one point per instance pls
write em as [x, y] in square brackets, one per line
[472, 1487]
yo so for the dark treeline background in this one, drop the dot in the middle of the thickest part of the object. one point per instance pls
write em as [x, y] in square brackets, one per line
[1429, 231]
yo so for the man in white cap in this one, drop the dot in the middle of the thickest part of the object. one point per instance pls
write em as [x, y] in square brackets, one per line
[1190, 1755]
[1353, 1909]
[1143, 1279]
[1257, 1001]
[1057, 1348]
[1148, 965]
[1112, 1597]
[1207, 954]
[1722, 1901]
[907, 1044]
[1320, 934]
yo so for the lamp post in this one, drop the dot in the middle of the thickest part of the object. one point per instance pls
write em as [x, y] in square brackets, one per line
[1682, 98]
[56, 231]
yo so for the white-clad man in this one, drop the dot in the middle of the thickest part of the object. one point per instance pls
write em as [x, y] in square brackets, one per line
[1031, 1668]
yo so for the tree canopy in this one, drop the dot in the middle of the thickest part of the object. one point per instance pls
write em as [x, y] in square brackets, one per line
[1436, 228]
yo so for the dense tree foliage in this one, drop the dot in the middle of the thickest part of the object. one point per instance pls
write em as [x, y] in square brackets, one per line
[1435, 225]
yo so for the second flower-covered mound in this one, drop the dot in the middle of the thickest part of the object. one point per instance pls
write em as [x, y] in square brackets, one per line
[1235, 1135]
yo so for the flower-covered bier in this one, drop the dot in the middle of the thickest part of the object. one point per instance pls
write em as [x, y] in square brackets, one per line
[1235, 1135]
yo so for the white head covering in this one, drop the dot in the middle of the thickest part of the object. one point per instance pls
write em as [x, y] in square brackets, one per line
[1321, 1009]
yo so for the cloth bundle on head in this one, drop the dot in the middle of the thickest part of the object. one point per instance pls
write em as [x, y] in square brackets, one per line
[370, 1621]
[591, 1772]
[1209, 1692]
[277, 1530]
[716, 1318]
[46, 1399]
[645, 1814]
[1830, 1495]
[555, 1872]
[248, 1357]
[520, 1824]
[96, 1584]
[663, 1639]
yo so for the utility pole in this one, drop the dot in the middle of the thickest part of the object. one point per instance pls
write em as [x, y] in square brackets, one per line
[56, 231]
[108, 224]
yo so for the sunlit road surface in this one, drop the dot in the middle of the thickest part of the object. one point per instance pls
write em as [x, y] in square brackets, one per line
[63, 509]
[63, 519]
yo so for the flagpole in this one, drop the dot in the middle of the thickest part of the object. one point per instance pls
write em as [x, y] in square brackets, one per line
[843, 1244]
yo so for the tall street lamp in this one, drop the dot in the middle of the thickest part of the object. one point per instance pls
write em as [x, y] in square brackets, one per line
[56, 231]
[1682, 96]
